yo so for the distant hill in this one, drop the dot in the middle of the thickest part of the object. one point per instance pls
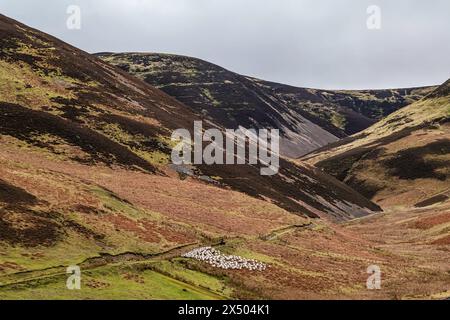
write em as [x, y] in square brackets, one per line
[350, 111]
[307, 118]
[403, 159]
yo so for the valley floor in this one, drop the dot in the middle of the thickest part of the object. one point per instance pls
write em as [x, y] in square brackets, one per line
[129, 244]
[310, 262]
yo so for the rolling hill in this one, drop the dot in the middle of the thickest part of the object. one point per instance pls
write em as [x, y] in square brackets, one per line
[350, 111]
[85, 179]
[307, 118]
[403, 159]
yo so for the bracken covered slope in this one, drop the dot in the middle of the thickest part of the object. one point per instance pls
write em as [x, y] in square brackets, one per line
[402, 160]
[307, 118]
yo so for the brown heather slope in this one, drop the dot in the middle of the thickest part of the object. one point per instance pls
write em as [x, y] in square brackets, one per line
[402, 160]
[307, 118]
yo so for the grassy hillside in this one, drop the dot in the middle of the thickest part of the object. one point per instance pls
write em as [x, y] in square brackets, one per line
[403, 159]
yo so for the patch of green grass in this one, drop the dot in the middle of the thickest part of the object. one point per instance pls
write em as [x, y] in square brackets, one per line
[338, 120]
[113, 203]
[190, 72]
[155, 157]
[109, 283]
[210, 97]
[73, 249]
[20, 84]
[177, 268]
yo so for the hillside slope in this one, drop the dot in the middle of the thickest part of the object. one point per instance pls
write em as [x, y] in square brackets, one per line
[350, 111]
[307, 118]
[402, 160]
[225, 97]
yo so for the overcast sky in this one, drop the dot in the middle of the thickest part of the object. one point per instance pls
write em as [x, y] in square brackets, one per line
[309, 43]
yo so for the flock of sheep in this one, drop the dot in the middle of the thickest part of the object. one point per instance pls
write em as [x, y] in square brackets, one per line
[217, 259]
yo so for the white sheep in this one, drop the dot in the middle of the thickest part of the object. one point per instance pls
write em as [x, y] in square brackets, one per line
[217, 259]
